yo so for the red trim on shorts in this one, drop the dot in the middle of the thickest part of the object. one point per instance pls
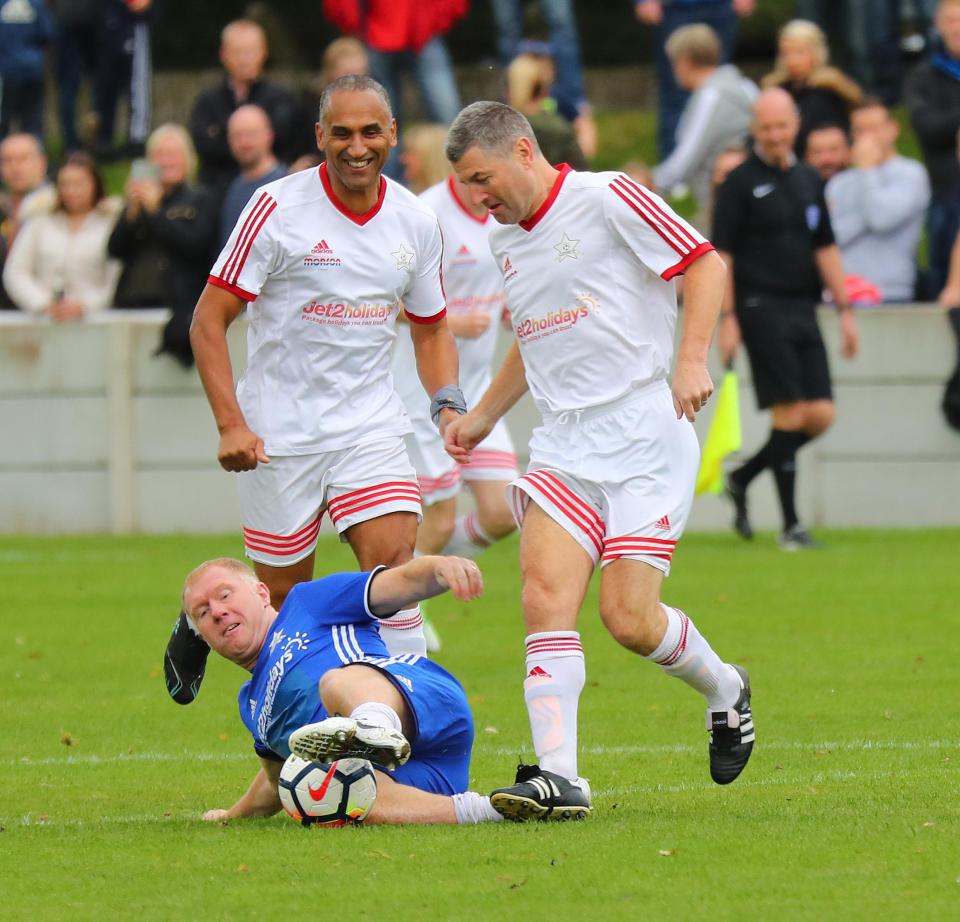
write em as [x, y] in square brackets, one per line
[531, 222]
[233, 289]
[282, 545]
[631, 546]
[571, 505]
[692, 256]
[433, 318]
[360, 219]
[497, 459]
[366, 497]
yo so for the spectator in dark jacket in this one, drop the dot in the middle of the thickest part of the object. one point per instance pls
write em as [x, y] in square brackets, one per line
[933, 99]
[165, 238]
[25, 30]
[124, 68]
[75, 47]
[823, 94]
[243, 53]
[251, 143]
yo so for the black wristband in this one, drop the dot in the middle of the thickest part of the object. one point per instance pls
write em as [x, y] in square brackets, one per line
[447, 398]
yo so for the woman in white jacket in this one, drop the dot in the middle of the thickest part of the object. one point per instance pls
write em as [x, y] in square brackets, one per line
[58, 264]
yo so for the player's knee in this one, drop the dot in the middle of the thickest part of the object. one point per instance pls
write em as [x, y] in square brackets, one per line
[332, 687]
[395, 556]
[634, 624]
[820, 416]
[497, 522]
[542, 602]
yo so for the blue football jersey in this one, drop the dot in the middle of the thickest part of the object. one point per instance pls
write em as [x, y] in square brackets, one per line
[322, 625]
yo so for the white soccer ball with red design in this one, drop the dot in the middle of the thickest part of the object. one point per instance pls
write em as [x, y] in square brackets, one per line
[340, 793]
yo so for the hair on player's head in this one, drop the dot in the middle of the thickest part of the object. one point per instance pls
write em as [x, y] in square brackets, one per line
[228, 563]
[352, 83]
[492, 126]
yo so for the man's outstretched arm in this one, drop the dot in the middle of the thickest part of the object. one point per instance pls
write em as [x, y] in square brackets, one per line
[424, 578]
[261, 798]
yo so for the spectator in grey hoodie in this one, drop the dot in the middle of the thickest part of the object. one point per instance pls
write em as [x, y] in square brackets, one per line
[877, 207]
[717, 114]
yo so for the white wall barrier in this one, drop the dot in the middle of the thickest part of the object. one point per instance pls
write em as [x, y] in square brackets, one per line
[100, 436]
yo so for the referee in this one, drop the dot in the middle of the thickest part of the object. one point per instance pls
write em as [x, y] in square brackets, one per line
[771, 226]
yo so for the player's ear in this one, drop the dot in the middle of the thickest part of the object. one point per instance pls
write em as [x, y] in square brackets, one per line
[318, 131]
[393, 132]
[523, 151]
[264, 592]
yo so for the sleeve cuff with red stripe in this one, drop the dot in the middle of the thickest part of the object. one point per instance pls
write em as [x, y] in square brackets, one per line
[233, 289]
[433, 318]
[692, 256]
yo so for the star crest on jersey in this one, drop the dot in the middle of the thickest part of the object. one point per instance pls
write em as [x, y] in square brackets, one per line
[277, 637]
[404, 257]
[566, 248]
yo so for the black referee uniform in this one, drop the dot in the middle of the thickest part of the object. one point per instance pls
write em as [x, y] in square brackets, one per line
[773, 221]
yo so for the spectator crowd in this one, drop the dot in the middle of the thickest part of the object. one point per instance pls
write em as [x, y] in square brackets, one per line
[69, 250]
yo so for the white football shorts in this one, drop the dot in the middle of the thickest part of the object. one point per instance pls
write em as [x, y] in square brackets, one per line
[439, 476]
[282, 502]
[618, 478]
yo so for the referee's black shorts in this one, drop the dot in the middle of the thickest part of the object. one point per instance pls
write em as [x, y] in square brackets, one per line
[787, 357]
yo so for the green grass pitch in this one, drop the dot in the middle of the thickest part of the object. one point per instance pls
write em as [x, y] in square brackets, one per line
[848, 809]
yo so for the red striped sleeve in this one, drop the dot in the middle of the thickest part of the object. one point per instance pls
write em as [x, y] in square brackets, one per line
[667, 225]
[433, 318]
[681, 266]
[255, 218]
[233, 289]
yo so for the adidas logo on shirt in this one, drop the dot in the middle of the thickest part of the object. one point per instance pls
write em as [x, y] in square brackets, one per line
[322, 248]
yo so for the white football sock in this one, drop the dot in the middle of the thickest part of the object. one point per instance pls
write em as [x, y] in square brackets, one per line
[556, 673]
[377, 714]
[403, 633]
[468, 538]
[472, 808]
[684, 653]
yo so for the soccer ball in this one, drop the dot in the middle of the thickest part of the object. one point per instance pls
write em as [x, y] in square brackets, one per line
[340, 793]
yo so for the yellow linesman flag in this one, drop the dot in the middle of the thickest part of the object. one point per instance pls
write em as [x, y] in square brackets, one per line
[723, 437]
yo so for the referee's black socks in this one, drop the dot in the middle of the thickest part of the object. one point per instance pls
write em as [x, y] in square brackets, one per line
[780, 455]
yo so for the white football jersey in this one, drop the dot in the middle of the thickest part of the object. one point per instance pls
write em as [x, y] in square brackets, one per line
[473, 283]
[589, 283]
[325, 286]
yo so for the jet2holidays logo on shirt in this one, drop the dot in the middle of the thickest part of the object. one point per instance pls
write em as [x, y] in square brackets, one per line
[343, 314]
[559, 321]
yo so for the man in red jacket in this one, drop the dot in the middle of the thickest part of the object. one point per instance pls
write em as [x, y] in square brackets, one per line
[405, 35]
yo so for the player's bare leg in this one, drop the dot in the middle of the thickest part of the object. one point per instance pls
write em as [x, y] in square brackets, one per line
[631, 609]
[280, 580]
[389, 539]
[556, 572]
[369, 719]
[436, 526]
[398, 804]
[492, 521]
[433, 533]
